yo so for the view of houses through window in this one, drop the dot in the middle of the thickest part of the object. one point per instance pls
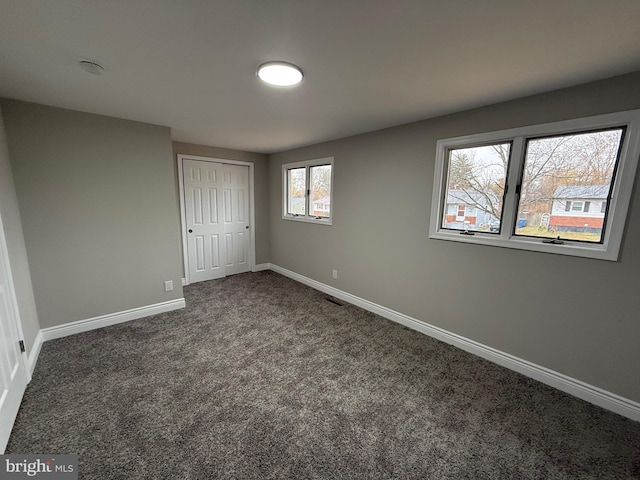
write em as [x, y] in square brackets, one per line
[296, 187]
[565, 185]
[476, 187]
[320, 190]
[308, 190]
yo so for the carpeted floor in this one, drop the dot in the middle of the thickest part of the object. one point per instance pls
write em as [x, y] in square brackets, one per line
[261, 377]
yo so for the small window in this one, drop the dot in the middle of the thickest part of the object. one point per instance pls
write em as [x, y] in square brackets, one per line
[562, 187]
[308, 191]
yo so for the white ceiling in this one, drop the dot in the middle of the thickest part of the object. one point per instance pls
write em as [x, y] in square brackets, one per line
[369, 64]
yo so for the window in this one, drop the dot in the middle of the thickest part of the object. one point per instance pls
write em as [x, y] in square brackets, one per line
[573, 169]
[296, 188]
[576, 207]
[475, 184]
[308, 191]
[560, 188]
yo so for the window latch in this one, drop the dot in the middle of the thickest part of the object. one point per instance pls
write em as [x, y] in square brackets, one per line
[554, 241]
[467, 232]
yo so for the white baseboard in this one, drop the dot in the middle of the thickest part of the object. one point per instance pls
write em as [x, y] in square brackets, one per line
[80, 326]
[572, 386]
[34, 353]
[261, 267]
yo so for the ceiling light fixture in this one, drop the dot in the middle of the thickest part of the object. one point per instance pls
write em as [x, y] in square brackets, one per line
[280, 74]
[91, 67]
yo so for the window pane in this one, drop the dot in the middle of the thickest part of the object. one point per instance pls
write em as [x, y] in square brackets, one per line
[475, 187]
[320, 191]
[563, 175]
[296, 186]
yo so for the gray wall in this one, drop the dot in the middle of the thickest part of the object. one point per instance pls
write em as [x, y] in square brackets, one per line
[19, 263]
[99, 210]
[261, 187]
[573, 315]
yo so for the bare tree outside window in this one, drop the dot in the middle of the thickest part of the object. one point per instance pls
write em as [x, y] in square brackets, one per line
[476, 179]
[562, 187]
[296, 184]
[307, 195]
[558, 171]
[321, 190]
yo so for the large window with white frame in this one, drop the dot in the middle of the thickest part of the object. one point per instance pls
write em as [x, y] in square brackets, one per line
[308, 191]
[561, 187]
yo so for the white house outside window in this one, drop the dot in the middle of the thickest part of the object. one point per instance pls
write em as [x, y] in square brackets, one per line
[308, 191]
[560, 188]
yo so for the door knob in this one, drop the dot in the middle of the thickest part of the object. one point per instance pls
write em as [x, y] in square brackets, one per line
[190, 231]
[247, 227]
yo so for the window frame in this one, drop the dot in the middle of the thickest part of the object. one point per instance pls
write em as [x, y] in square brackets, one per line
[618, 207]
[473, 207]
[306, 217]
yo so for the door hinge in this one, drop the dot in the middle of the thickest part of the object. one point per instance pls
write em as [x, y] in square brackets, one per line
[22, 349]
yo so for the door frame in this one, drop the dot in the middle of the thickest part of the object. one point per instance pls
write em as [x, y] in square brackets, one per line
[183, 223]
[17, 324]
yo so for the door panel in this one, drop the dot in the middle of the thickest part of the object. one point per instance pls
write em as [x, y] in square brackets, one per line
[215, 251]
[230, 253]
[236, 223]
[216, 211]
[213, 202]
[201, 193]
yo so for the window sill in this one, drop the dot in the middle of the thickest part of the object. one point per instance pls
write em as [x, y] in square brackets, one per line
[305, 219]
[575, 249]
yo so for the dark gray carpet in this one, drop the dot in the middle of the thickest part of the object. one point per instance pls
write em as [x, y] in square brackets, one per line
[261, 378]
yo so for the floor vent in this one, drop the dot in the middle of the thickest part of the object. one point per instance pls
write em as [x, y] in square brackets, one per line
[334, 301]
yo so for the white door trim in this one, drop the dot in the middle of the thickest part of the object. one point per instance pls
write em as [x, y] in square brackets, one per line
[14, 297]
[183, 223]
[21, 374]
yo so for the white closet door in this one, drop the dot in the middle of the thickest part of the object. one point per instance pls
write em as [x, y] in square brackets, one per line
[216, 200]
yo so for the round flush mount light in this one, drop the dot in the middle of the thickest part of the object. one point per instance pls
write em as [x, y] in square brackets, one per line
[280, 74]
[91, 67]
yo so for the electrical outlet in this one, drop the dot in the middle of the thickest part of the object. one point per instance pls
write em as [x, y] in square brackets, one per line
[335, 274]
[168, 285]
